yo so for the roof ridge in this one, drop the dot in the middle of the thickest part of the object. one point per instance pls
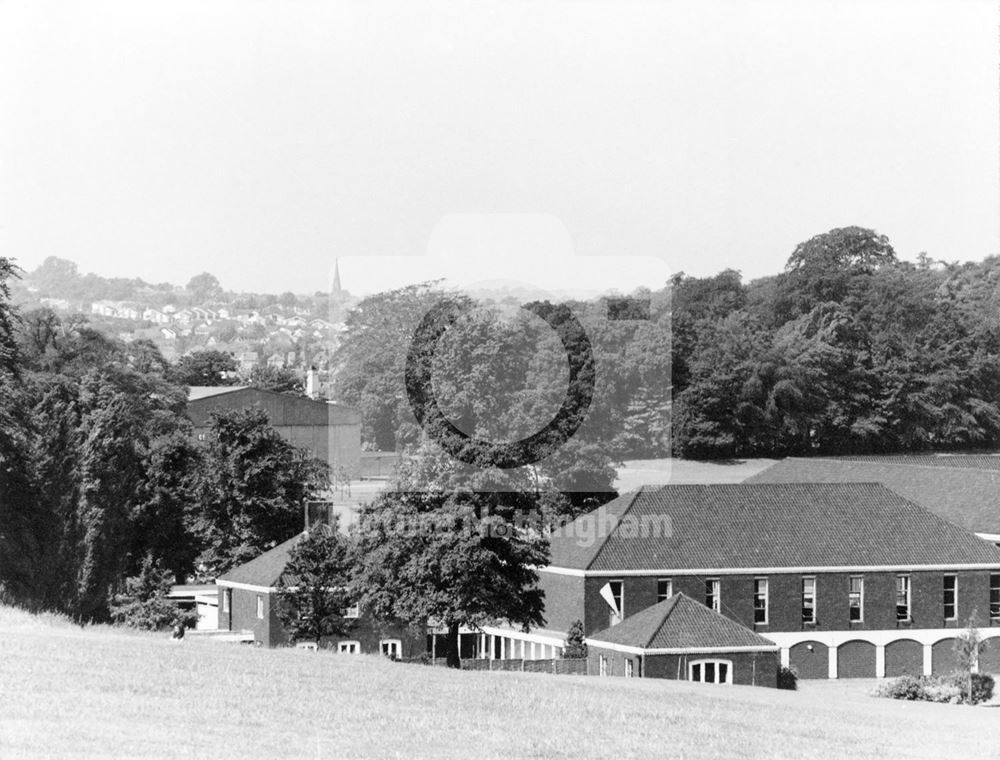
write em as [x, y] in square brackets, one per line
[881, 463]
[633, 495]
[674, 601]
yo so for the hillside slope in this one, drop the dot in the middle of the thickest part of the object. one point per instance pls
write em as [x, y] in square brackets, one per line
[68, 692]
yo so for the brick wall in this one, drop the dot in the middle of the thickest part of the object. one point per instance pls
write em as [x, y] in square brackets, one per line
[785, 600]
[269, 631]
[749, 668]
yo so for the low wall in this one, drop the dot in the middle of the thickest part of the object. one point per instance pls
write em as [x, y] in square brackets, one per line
[559, 667]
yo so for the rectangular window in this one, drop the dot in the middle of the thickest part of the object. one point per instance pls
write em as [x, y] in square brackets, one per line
[354, 611]
[713, 599]
[260, 607]
[995, 597]
[760, 600]
[664, 589]
[227, 595]
[809, 600]
[628, 668]
[604, 665]
[950, 597]
[856, 598]
[618, 594]
[348, 647]
[391, 648]
[902, 597]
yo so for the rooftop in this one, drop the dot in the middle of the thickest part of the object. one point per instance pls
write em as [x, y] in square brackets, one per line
[265, 570]
[961, 488]
[793, 525]
[680, 623]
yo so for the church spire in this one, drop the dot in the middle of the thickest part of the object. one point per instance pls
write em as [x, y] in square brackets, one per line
[336, 276]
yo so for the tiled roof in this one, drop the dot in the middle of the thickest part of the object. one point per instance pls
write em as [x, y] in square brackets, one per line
[264, 570]
[710, 527]
[980, 461]
[962, 489]
[680, 623]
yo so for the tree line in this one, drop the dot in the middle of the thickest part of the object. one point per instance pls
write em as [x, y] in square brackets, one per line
[848, 350]
[101, 479]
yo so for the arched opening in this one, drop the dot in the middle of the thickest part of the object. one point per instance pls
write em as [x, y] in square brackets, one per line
[904, 658]
[810, 659]
[856, 659]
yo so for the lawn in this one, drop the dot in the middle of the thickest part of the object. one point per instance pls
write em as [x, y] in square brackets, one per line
[100, 692]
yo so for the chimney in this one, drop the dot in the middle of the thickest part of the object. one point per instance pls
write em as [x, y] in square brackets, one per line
[312, 383]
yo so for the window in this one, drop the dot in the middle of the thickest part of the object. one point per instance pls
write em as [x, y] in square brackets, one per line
[628, 668]
[354, 611]
[902, 597]
[664, 589]
[856, 598]
[712, 596]
[995, 596]
[711, 671]
[227, 598]
[391, 648]
[760, 600]
[809, 600]
[618, 594]
[348, 647]
[950, 597]
[260, 607]
[604, 665]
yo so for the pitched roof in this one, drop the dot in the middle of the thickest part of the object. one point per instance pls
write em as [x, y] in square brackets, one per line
[794, 525]
[264, 570]
[963, 489]
[680, 623]
[196, 392]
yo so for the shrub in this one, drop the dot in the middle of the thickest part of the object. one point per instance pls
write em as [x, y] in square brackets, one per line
[145, 605]
[982, 687]
[576, 645]
[950, 689]
[904, 687]
[788, 678]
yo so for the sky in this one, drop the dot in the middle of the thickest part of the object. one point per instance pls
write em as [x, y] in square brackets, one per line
[560, 144]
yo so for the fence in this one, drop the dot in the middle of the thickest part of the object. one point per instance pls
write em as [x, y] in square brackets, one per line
[558, 667]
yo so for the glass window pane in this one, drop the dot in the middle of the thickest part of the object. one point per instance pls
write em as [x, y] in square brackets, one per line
[723, 672]
[710, 672]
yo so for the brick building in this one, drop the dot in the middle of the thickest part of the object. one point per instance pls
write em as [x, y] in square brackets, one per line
[847, 579]
[330, 432]
[247, 604]
[684, 640]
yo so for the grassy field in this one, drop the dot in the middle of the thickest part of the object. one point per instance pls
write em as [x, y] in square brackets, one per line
[100, 692]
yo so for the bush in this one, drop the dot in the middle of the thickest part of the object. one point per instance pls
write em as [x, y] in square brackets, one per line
[950, 689]
[788, 678]
[982, 687]
[904, 687]
[145, 605]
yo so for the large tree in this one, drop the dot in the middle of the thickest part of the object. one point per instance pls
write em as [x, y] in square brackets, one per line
[435, 548]
[313, 592]
[205, 367]
[255, 486]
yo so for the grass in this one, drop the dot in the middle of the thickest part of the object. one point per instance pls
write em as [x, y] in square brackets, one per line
[68, 692]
